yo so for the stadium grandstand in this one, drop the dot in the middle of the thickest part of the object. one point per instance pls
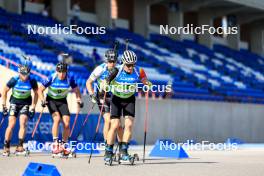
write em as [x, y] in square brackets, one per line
[201, 67]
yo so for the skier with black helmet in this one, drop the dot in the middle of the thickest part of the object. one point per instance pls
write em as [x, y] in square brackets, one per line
[99, 74]
[59, 85]
[20, 102]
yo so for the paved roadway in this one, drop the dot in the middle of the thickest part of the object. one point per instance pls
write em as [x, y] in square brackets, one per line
[243, 162]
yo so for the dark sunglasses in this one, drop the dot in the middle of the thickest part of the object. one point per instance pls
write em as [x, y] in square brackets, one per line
[24, 73]
[130, 65]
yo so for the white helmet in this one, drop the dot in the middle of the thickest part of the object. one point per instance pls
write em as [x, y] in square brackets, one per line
[129, 57]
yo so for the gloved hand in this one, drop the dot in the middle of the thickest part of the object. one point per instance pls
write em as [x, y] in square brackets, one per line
[31, 113]
[80, 104]
[149, 85]
[43, 103]
[93, 98]
[5, 111]
[104, 86]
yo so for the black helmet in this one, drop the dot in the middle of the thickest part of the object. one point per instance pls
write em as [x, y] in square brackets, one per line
[25, 66]
[61, 67]
[24, 70]
[111, 55]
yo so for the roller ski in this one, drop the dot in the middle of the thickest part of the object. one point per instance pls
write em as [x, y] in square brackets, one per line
[67, 153]
[124, 157]
[20, 151]
[60, 152]
[127, 159]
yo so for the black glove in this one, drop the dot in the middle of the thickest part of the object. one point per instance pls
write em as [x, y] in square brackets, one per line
[93, 98]
[43, 103]
[5, 111]
[31, 113]
[80, 104]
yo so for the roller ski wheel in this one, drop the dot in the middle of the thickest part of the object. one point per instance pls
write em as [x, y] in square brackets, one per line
[136, 157]
[56, 155]
[59, 155]
[72, 155]
[108, 161]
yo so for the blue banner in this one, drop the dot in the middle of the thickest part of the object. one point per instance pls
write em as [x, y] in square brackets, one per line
[43, 132]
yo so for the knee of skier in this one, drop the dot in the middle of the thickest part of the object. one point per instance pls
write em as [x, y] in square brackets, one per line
[128, 125]
[11, 124]
[56, 118]
[115, 124]
[23, 121]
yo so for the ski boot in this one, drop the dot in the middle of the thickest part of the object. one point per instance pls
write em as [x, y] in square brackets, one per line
[56, 150]
[124, 157]
[117, 151]
[108, 158]
[6, 152]
[20, 151]
[68, 153]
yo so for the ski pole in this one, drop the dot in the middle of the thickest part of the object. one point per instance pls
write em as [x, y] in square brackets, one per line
[127, 42]
[97, 127]
[120, 127]
[116, 46]
[75, 119]
[4, 115]
[36, 126]
[145, 127]
[2, 121]
[85, 120]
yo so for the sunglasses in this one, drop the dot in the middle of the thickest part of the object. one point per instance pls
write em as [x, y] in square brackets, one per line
[130, 65]
[25, 74]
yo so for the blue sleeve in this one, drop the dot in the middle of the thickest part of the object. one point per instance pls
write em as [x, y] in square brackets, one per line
[11, 83]
[34, 84]
[73, 83]
[47, 82]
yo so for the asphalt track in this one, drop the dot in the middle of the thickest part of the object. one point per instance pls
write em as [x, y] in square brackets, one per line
[242, 162]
